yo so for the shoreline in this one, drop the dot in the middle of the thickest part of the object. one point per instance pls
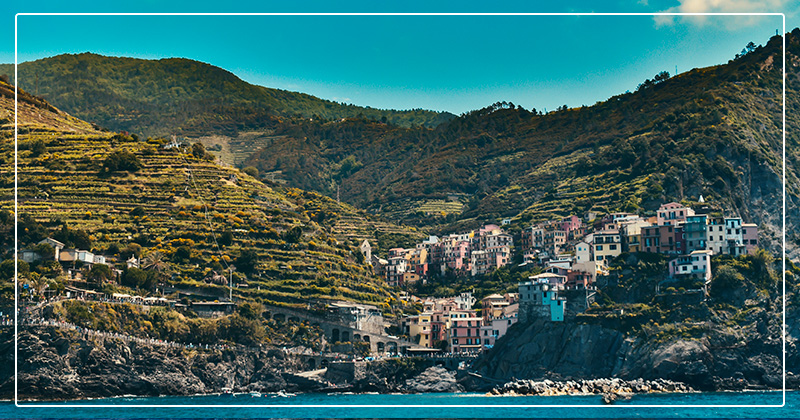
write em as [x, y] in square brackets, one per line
[473, 393]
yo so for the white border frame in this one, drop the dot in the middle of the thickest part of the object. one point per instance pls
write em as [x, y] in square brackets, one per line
[68, 406]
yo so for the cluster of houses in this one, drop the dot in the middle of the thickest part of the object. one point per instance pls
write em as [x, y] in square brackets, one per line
[451, 324]
[74, 261]
[574, 254]
[472, 253]
[62, 254]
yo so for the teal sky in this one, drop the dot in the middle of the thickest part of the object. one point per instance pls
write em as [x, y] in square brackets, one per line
[451, 63]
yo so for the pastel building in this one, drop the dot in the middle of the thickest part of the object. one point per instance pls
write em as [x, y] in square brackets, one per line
[456, 255]
[423, 329]
[715, 234]
[632, 235]
[539, 297]
[660, 239]
[695, 230]
[750, 237]
[607, 245]
[583, 252]
[673, 214]
[733, 236]
[396, 269]
[493, 306]
[696, 265]
[464, 332]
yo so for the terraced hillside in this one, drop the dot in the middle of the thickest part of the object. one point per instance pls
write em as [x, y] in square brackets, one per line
[234, 151]
[176, 207]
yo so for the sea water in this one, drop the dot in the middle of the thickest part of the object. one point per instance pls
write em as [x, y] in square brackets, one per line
[718, 405]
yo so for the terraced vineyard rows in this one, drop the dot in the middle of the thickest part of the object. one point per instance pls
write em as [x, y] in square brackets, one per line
[233, 151]
[188, 201]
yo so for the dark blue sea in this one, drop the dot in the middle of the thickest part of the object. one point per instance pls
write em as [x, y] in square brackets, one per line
[715, 405]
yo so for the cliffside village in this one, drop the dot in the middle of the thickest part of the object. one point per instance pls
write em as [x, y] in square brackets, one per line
[573, 256]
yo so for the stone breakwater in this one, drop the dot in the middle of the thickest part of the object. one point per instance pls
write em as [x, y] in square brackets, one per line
[588, 387]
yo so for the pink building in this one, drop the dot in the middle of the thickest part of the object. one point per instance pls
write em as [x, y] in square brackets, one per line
[456, 256]
[750, 237]
[673, 214]
[465, 334]
[572, 225]
[662, 239]
[492, 330]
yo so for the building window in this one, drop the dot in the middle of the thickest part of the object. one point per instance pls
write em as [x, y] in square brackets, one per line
[455, 341]
[599, 247]
[612, 247]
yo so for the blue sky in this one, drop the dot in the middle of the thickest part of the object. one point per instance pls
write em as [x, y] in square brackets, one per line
[451, 63]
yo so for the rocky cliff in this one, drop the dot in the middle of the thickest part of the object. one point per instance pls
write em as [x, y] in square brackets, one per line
[715, 354]
[56, 364]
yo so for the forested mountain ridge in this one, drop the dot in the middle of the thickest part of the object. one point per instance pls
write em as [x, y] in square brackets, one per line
[180, 96]
[715, 132]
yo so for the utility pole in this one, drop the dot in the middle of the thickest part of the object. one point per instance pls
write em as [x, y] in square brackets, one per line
[230, 285]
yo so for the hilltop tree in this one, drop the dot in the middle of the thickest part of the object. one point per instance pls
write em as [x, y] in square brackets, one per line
[37, 148]
[226, 238]
[247, 261]
[659, 78]
[134, 277]
[198, 150]
[76, 238]
[157, 264]
[293, 235]
[251, 310]
[750, 47]
[100, 273]
[122, 160]
[251, 170]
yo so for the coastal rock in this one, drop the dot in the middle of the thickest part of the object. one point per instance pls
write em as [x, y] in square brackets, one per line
[56, 364]
[434, 379]
[614, 388]
[722, 358]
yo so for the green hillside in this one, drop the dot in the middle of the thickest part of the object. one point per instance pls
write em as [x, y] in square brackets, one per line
[180, 96]
[184, 216]
[714, 132]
